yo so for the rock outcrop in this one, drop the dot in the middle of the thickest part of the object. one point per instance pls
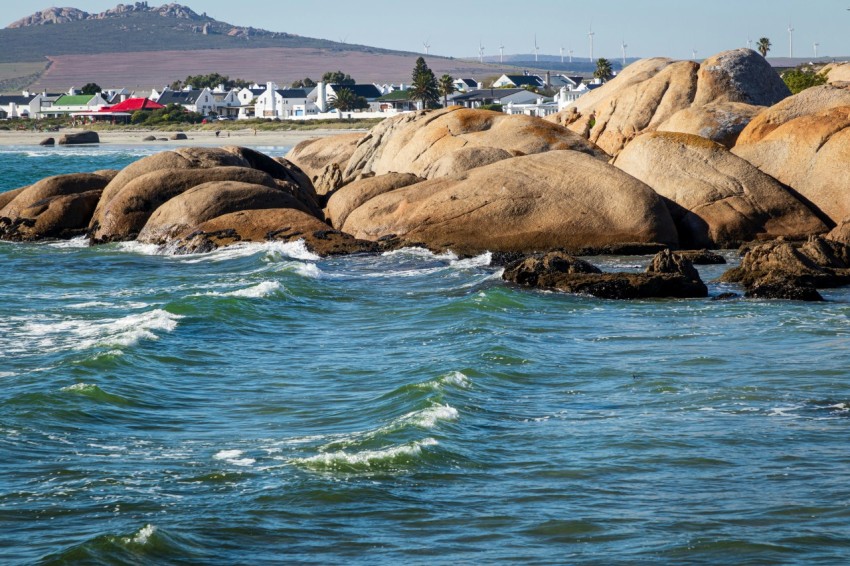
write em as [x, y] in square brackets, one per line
[185, 213]
[274, 224]
[809, 154]
[353, 195]
[717, 199]
[650, 92]
[79, 138]
[810, 101]
[55, 207]
[125, 214]
[316, 157]
[454, 140]
[47, 142]
[780, 269]
[721, 122]
[668, 275]
[557, 199]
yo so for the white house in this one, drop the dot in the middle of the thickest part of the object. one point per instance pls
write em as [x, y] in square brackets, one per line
[487, 96]
[519, 81]
[466, 85]
[69, 104]
[277, 103]
[193, 100]
[24, 105]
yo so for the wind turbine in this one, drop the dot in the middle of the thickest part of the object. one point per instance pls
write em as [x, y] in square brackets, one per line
[790, 40]
[624, 45]
[562, 54]
[427, 46]
[536, 48]
[590, 35]
[694, 51]
[501, 53]
[749, 43]
[570, 53]
[816, 45]
[480, 52]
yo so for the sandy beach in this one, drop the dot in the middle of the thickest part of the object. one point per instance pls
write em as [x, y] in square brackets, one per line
[246, 137]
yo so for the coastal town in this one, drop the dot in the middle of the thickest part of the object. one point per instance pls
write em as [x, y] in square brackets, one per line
[512, 94]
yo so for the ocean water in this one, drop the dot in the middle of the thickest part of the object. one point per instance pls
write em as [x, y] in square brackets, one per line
[259, 404]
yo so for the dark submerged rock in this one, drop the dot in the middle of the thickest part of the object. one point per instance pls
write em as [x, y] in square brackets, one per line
[79, 138]
[47, 141]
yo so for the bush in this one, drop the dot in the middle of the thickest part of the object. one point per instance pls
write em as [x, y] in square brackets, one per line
[494, 107]
[801, 78]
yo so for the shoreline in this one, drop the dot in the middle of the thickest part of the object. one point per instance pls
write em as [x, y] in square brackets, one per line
[204, 138]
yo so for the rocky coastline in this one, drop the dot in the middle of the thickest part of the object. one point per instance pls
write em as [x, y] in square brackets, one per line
[632, 168]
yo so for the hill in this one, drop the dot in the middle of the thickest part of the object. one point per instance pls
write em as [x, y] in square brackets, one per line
[141, 47]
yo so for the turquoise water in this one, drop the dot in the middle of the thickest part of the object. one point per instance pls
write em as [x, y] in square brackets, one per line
[260, 404]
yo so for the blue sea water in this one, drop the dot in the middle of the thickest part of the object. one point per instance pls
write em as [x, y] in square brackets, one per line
[259, 404]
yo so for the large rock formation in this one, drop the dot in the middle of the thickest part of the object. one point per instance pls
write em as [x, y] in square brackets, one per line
[721, 122]
[809, 154]
[454, 140]
[718, 199]
[354, 194]
[810, 101]
[125, 214]
[186, 212]
[272, 224]
[557, 199]
[651, 91]
[55, 207]
[324, 159]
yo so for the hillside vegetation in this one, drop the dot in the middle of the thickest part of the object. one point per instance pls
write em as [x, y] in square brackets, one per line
[145, 30]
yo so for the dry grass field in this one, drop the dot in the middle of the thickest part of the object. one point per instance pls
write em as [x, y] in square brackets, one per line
[16, 76]
[143, 71]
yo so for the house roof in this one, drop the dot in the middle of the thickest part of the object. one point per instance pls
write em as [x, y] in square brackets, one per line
[525, 80]
[487, 94]
[471, 83]
[179, 97]
[134, 104]
[75, 100]
[16, 99]
[366, 91]
[395, 95]
[292, 92]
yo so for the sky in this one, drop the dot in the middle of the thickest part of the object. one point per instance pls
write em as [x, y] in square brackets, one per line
[650, 28]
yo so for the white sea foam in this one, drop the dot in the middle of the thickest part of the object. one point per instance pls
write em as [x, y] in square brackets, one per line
[482, 260]
[455, 379]
[430, 417]
[73, 243]
[233, 457]
[140, 248]
[420, 253]
[258, 291]
[81, 387]
[81, 334]
[142, 536]
[309, 270]
[367, 458]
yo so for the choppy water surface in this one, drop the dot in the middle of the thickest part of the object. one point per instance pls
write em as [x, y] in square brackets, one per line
[259, 404]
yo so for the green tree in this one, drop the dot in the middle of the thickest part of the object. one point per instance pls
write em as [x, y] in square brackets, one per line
[801, 78]
[91, 88]
[345, 100]
[338, 78]
[424, 85]
[763, 45]
[603, 69]
[304, 83]
[446, 86]
[211, 81]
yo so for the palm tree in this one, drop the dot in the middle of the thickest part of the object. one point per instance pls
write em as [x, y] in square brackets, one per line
[763, 46]
[344, 100]
[603, 69]
[446, 86]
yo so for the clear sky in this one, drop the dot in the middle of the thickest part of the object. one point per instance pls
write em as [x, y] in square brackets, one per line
[671, 28]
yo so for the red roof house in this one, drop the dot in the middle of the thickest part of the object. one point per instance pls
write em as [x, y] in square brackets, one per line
[133, 104]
